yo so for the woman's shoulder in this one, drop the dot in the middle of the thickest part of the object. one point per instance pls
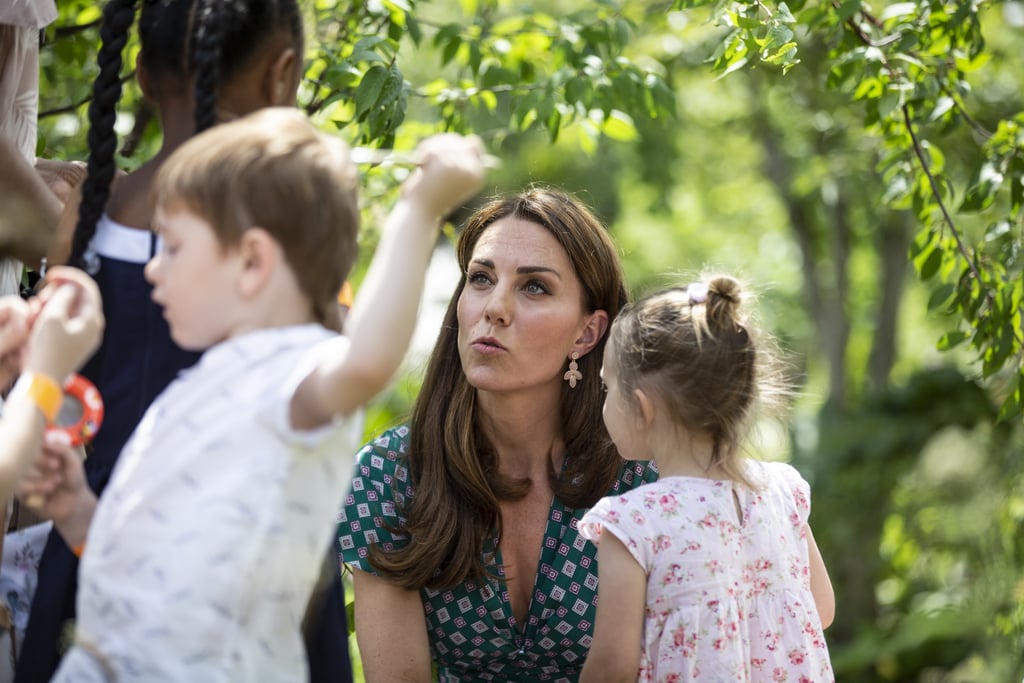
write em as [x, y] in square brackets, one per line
[387, 451]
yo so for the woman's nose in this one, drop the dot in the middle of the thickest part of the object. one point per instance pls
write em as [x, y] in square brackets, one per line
[497, 309]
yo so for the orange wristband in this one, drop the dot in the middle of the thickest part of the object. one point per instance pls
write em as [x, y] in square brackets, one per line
[345, 295]
[43, 391]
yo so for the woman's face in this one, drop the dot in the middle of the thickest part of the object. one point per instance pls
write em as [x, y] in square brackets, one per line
[521, 312]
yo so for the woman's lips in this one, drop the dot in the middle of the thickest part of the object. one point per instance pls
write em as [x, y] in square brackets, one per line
[487, 345]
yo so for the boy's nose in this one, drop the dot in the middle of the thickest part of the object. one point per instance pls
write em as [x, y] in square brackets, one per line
[151, 268]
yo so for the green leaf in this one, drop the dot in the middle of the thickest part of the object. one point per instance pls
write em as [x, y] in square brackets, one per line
[930, 265]
[942, 105]
[899, 9]
[922, 241]
[783, 15]
[579, 91]
[450, 49]
[940, 296]
[847, 9]
[951, 340]
[412, 26]
[619, 126]
[981, 195]
[369, 89]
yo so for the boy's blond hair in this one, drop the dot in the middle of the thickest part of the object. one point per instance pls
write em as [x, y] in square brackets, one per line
[272, 169]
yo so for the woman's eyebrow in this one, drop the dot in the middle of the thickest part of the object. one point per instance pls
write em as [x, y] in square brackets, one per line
[521, 270]
[526, 270]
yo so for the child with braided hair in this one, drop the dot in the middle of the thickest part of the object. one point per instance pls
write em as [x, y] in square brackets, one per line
[712, 572]
[200, 61]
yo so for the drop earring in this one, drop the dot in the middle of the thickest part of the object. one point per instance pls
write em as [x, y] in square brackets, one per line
[573, 374]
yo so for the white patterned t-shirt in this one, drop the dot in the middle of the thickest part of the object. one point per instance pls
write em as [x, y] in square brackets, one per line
[206, 544]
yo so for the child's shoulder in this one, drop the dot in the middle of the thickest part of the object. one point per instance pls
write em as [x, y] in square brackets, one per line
[772, 472]
[130, 202]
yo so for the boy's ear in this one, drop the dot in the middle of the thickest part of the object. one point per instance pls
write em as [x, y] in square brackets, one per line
[258, 254]
[593, 330]
[281, 81]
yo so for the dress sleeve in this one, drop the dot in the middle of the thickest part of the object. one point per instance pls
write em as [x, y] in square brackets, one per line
[371, 511]
[617, 516]
[798, 488]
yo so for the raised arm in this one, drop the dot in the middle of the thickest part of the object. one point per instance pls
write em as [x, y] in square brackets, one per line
[383, 318]
[387, 615]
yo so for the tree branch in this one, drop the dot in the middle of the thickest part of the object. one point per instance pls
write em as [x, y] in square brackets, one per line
[936, 192]
[73, 29]
[74, 107]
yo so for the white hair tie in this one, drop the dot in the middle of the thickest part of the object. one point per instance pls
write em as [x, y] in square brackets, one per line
[697, 292]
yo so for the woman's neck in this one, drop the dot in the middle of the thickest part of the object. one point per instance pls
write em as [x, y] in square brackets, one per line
[525, 432]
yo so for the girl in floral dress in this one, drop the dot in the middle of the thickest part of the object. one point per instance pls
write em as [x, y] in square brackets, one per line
[711, 573]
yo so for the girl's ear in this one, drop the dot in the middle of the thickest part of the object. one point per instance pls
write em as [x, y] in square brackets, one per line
[282, 82]
[142, 78]
[258, 255]
[595, 327]
[646, 406]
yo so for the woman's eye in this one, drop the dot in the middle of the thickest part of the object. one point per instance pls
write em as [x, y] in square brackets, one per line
[478, 278]
[535, 287]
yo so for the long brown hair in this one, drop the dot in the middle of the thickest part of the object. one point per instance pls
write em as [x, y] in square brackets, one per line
[452, 465]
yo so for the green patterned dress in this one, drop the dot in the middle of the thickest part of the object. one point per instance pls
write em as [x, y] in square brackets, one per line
[473, 634]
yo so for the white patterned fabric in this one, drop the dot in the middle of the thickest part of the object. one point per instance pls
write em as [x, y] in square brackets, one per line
[206, 544]
[728, 594]
[33, 14]
[19, 92]
[20, 21]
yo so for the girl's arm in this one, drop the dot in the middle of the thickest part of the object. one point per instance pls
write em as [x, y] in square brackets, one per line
[619, 626]
[821, 585]
[64, 333]
[382, 320]
[385, 616]
[59, 249]
[18, 179]
[21, 433]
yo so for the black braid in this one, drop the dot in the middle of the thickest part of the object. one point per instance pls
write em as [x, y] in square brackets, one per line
[206, 57]
[118, 17]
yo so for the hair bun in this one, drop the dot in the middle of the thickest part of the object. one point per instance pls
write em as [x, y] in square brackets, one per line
[724, 297]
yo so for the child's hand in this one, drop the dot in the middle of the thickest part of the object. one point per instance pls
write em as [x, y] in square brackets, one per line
[68, 325]
[450, 171]
[55, 486]
[14, 326]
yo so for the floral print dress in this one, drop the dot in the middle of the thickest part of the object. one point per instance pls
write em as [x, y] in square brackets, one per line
[728, 577]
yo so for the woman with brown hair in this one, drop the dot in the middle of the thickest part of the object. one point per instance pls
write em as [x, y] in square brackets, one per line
[462, 524]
